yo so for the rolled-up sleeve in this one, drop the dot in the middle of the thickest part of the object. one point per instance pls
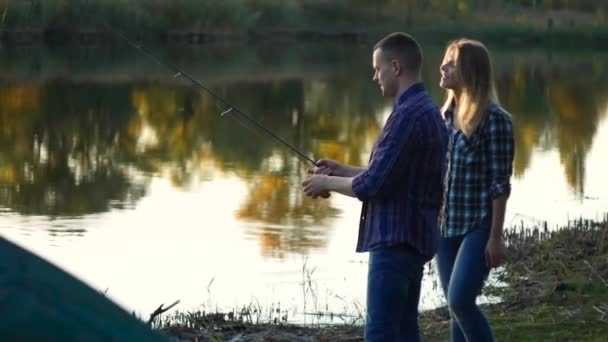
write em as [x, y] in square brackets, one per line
[501, 147]
[396, 134]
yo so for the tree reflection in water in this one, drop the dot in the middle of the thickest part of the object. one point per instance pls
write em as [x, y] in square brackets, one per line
[74, 147]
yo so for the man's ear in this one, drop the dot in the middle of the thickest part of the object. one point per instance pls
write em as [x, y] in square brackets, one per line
[397, 67]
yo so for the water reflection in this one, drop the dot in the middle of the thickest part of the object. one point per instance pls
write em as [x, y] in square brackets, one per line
[80, 145]
[554, 106]
[58, 149]
[577, 111]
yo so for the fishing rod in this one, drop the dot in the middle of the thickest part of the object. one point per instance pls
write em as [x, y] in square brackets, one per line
[231, 108]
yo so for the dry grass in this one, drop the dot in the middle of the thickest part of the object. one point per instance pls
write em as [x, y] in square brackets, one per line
[557, 290]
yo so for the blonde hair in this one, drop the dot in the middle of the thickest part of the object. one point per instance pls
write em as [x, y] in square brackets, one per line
[478, 90]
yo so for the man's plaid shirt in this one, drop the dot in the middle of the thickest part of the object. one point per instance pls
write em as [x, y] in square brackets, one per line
[479, 170]
[402, 188]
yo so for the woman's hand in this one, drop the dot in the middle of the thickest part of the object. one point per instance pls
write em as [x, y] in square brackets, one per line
[495, 252]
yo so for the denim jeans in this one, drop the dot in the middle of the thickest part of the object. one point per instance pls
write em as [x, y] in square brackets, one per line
[461, 263]
[393, 292]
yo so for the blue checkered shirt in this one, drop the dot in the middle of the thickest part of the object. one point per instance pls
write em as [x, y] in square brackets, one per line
[402, 188]
[479, 170]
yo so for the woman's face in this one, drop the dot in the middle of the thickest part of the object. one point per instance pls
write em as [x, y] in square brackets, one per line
[449, 72]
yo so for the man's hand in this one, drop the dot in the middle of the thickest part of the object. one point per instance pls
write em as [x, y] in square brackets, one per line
[315, 186]
[495, 252]
[328, 167]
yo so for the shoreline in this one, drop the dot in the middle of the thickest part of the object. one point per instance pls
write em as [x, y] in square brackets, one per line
[508, 36]
[179, 37]
[557, 289]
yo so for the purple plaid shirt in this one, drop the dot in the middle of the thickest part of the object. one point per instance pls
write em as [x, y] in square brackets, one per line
[402, 188]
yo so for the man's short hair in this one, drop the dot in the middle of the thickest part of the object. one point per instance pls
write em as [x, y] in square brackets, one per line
[403, 47]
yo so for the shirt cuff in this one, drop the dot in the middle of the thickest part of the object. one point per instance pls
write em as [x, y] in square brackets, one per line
[359, 186]
[499, 189]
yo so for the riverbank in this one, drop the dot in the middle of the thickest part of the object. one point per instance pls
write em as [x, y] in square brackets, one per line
[86, 22]
[556, 289]
[510, 36]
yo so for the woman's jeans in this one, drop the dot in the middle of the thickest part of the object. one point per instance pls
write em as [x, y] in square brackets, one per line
[393, 292]
[462, 269]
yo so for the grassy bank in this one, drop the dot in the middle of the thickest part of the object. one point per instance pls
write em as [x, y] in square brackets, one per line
[157, 16]
[557, 289]
[41, 20]
[511, 36]
[557, 286]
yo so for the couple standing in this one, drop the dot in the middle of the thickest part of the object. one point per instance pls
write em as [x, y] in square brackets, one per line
[418, 202]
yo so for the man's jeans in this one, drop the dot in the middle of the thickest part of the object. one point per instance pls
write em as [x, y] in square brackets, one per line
[461, 262]
[393, 292]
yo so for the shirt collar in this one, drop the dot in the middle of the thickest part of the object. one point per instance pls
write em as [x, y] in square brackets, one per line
[413, 89]
[449, 116]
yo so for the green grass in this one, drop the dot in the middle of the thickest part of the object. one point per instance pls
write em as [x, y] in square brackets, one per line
[557, 288]
[570, 316]
[515, 36]
[522, 329]
[436, 21]
[557, 291]
[160, 15]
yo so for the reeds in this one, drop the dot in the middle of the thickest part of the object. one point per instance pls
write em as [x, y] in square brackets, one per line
[543, 263]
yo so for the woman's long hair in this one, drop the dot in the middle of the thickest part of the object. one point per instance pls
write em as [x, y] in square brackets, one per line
[478, 90]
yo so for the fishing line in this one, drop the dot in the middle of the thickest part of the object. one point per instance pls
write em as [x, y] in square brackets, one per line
[242, 123]
[230, 108]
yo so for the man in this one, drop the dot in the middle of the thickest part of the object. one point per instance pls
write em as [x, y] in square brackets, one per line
[401, 190]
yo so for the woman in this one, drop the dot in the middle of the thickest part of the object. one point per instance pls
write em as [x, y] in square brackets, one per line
[480, 158]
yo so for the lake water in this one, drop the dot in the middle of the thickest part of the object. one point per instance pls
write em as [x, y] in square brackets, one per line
[129, 179]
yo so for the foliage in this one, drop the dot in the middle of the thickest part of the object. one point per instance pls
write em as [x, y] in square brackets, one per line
[156, 16]
[89, 129]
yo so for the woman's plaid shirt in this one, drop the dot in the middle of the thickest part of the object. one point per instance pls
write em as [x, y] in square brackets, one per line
[479, 170]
